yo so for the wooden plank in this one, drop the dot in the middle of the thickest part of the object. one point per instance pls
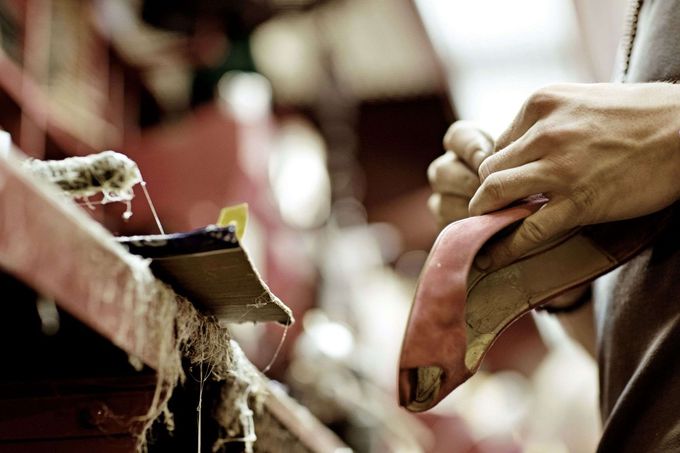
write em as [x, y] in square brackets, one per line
[47, 242]
[297, 420]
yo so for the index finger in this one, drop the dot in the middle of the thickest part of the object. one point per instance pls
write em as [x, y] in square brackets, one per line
[558, 216]
[471, 144]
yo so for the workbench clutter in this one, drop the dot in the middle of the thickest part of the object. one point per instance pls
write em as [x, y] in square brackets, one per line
[131, 299]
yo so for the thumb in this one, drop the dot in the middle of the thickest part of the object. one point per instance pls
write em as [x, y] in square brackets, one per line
[470, 143]
[555, 217]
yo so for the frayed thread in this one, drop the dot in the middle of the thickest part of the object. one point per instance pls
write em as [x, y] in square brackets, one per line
[201, 342]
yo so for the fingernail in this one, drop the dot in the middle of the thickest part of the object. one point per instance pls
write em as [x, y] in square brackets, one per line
[482, 261]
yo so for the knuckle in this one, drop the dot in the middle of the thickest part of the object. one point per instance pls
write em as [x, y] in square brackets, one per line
[433, 203]
[583, 197]
[448, 136]
[459, 133]
[471, 147]
[533, 232]
[551, 137]
[543, 100]
[475, 148]
[445, 175]
[432, 171]
[452, 133]
[494, 187]
[563, 172]
[486, 168]
[437, 169]
[503, 140]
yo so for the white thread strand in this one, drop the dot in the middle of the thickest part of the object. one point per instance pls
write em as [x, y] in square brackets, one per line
[151, 206]
[199, 408]
[278, 349]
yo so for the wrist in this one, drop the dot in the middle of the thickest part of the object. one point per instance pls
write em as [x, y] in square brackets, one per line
[568, 302]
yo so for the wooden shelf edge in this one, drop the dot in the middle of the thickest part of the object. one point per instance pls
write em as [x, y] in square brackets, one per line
[47, 242]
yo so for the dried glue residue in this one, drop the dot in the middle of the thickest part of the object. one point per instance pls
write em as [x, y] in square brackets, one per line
[111, 174]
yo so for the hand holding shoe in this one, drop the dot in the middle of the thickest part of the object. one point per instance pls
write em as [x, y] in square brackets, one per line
[599, 152]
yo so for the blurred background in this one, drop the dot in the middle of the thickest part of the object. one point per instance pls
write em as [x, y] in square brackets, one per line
[323, 116]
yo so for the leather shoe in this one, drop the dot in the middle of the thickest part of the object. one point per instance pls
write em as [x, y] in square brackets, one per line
[460, 310]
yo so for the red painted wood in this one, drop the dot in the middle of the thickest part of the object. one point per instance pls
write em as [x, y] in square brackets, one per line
[47, 242]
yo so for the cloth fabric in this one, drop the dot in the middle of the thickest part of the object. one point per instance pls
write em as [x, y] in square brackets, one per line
[638, 306]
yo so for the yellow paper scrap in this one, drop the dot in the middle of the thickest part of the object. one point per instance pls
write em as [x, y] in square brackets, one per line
[235, 215]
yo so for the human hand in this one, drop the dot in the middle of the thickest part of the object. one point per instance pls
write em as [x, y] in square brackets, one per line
[599, 152]
[453, 176]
